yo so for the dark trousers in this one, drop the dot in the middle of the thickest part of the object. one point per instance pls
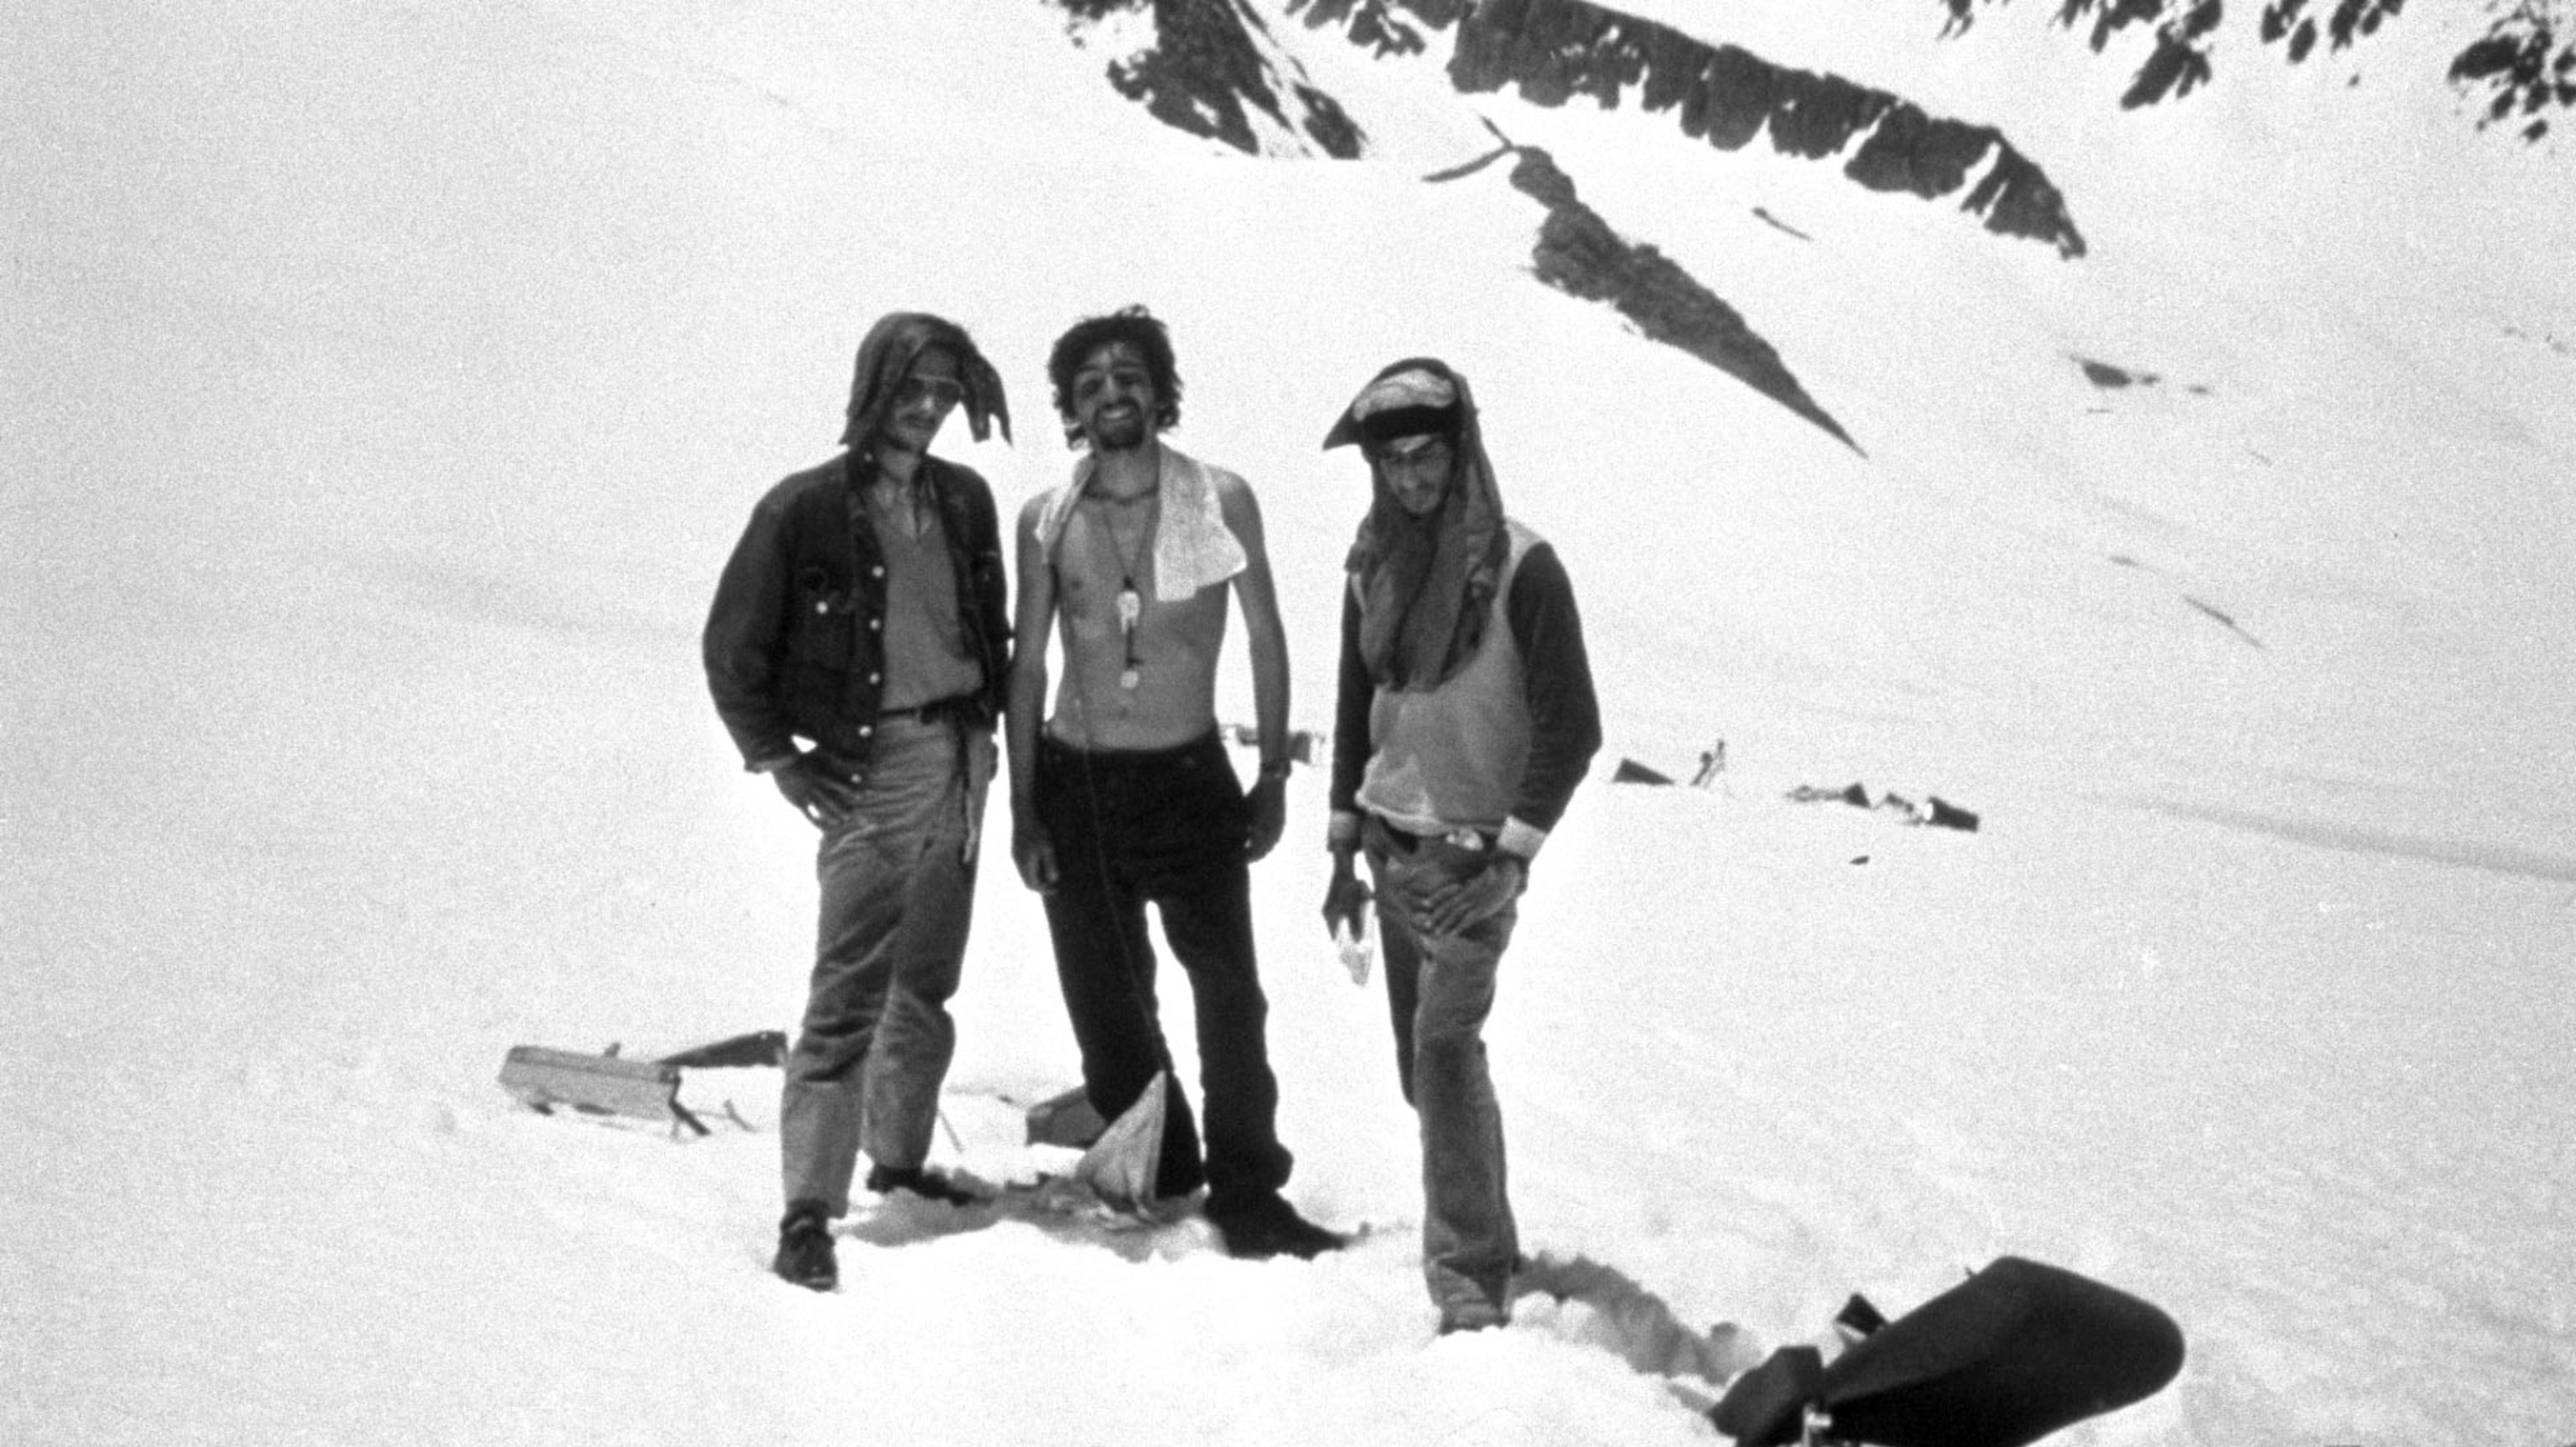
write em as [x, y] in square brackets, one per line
[1164, 827]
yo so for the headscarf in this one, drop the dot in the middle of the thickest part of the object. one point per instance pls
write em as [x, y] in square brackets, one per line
[885, 360]
[1426, 585]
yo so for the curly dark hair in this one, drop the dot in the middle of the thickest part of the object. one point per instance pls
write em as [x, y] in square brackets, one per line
[1138, 328]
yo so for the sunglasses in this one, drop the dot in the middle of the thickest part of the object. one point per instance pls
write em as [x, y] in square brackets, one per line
[1093, 383]
[1427, 450]
[941, 392]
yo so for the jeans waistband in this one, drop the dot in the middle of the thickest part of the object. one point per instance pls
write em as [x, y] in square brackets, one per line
[1095, 758]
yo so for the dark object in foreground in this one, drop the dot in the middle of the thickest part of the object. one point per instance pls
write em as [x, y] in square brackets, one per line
[2014, 1353]
[758, 1047]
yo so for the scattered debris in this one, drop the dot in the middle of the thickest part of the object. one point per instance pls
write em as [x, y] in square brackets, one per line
[1934, 811]
[602, 1084]
[1712, 767]
[1304, 745]
[758, 1047]
[1066, 1119]
[608, 1083]
[2552, 343]
[1712, 764]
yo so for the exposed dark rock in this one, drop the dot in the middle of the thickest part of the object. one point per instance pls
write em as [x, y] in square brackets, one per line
[1556, 50]
[1379, 24]
[1205, 68]
[2111, 379]
[2223, 619]
[1909, 151]
[1578, 254]
[1777, 224]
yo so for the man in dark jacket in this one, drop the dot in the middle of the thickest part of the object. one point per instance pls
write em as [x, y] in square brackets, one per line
[858, 649]
[1465, 720]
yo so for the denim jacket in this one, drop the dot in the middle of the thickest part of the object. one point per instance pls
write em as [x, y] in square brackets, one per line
[794, 647]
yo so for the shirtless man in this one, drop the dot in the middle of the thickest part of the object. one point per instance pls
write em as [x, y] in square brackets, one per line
[1125, 796]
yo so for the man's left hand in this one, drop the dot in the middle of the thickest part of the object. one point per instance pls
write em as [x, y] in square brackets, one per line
[1268, 807]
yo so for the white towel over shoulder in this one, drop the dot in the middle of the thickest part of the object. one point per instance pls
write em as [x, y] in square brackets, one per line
[1193, 548]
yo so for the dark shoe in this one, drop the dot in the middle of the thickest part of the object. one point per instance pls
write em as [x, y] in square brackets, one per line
[885, 1180]
[805, 1248]
[1271, 1227]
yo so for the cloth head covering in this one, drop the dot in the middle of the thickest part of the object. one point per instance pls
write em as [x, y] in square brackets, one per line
[1426, 585]
[886, 356]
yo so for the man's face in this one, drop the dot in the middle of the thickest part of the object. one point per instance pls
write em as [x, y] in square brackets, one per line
[1416, 470]
[1113, 398]
[923, 400]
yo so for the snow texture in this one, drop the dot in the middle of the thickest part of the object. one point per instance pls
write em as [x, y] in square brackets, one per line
[386, 383]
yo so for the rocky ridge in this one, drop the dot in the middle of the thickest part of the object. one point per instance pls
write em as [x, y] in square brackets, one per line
[1553, 51]
[1579, 254]
[1212, 68]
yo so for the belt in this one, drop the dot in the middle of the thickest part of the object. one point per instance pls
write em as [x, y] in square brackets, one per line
[1473, 841]
[958, 708]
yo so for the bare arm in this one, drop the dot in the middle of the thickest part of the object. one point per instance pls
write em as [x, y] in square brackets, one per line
[1025, 710]
[1268, 639]
[1263, 631]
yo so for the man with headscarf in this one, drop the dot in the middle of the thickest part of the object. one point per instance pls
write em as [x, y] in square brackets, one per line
[858, 650]
[1125, 797]
[1465, 720]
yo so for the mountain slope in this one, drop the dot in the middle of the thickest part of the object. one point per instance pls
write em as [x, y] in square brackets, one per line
[388, 383]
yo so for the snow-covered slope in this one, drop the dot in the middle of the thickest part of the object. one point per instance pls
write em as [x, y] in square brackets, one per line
[387, 383]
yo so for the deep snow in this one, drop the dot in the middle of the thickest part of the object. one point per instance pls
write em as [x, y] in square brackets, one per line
[386, 383]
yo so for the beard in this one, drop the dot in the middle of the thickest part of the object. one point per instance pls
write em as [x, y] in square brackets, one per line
[1122, 434]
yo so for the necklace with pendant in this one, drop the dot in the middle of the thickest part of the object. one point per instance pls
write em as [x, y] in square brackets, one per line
[1131, 602]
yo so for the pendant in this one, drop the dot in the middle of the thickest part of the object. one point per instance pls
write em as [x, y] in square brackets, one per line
[1131, 607]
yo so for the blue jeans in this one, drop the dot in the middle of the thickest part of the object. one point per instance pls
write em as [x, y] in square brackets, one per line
[1439, 989]
[897, 898]
[1164, 827]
